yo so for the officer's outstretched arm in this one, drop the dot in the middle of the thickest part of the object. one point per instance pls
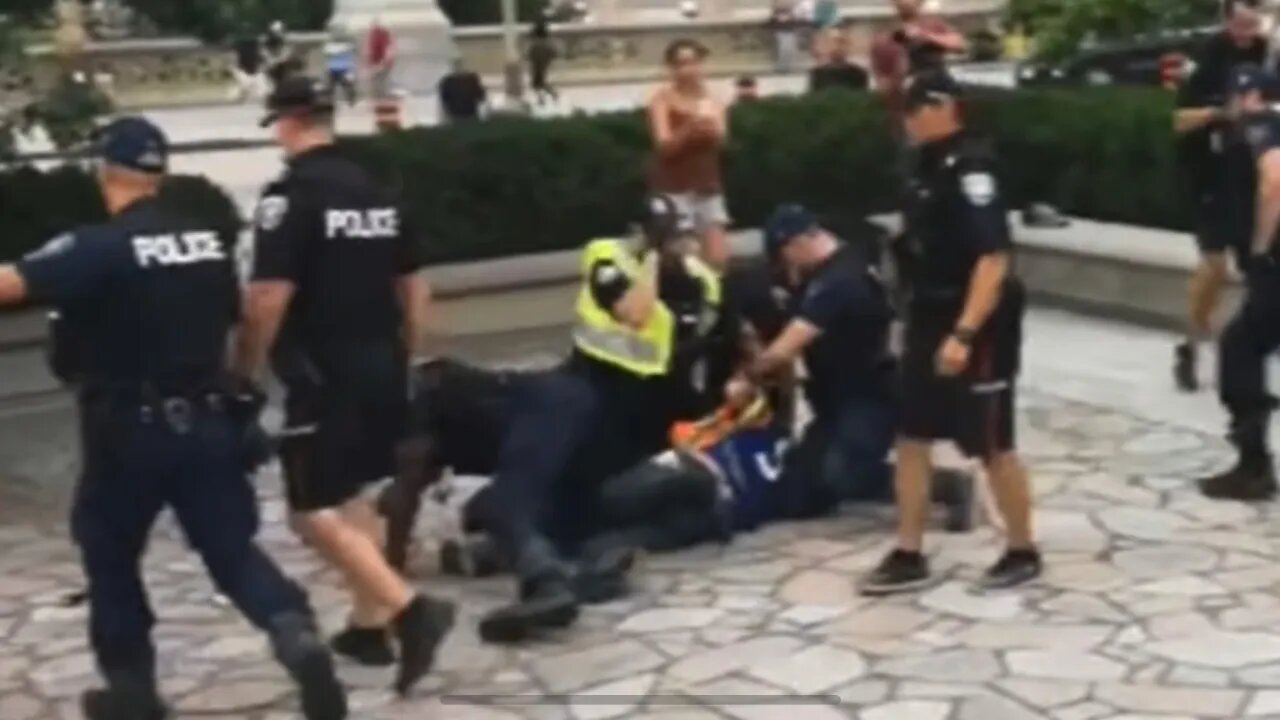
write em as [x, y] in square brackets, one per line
[264, 307]
[13, 287]
[784, 350]
[1267, 220]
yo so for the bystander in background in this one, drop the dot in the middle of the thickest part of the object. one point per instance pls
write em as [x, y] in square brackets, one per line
[277, 55]
[247, 70]
[917, 42]
[834, 68]
[380, 54]
[462, 95]
[785, 27]
[688, 128]
[542, 52]
[340, 62]
[745, 90]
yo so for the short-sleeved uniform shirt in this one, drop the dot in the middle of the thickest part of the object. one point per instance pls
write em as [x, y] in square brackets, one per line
[850, 359]
[1200, 151]
[1247, 140]
[150, 297]
[343, 241]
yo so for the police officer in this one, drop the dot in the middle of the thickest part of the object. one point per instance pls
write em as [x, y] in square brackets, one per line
[336, 293]
[1252, 191]
[963, 336]
[1201, 124]
[152, 296]
[839, 325]
[638, 311]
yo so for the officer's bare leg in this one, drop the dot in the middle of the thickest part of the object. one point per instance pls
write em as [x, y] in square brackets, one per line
[367, 611]
[1205, 294]
[1008, 477]
[357, 555]
[715, 247]
[912, 480]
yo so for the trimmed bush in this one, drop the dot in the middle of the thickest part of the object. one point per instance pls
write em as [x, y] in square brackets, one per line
[510, 186]
[36, 205]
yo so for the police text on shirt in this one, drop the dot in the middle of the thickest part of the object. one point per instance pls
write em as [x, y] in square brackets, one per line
[187, 248]
[374, 223]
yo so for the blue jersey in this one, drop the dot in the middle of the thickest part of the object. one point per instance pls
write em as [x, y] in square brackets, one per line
[751, 461]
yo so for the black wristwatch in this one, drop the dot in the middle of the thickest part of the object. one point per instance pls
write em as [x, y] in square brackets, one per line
[964, 336]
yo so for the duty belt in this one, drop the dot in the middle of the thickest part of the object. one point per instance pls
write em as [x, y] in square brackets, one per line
[178, 412]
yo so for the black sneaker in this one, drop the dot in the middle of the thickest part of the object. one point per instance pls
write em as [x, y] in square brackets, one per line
[1246, 482]
[953, 490]
[366, 646]
[101, 704]
[550, 604]
[1185, 374]
[421, 628]
[322, 695]
[1015, 567]
[901, 571]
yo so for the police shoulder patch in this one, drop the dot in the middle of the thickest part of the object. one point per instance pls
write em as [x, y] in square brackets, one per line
[979, 187]
[57, 246]
[607, 272]
[271, 211]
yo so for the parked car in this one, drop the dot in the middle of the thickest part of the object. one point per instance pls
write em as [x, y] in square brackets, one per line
[1143, 61]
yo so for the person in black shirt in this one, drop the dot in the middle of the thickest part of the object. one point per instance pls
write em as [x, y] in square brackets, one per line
[337, 300]
[462, 94]
[1251, 194]
[1200, 122]
[963, 335]
[542, 52]
[152, 297]
[836, 71]
[248, 67]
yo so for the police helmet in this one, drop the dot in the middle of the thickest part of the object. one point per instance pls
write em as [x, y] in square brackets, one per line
[662, 221]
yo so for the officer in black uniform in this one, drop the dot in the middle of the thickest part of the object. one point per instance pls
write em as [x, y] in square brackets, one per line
[335, 280]
[963, 336]
[151, 297]
[1201, 122]
[1251, 178]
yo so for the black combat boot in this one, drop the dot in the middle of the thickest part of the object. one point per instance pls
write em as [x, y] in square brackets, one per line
[366, 646]
[1253, 477]
[547, 597]
[603, 572]
[480, 557]
[131, 694]
[303, 654]
[421, 627]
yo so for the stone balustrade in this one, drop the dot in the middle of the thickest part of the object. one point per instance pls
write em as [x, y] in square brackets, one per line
[149, 73]
[614, 52]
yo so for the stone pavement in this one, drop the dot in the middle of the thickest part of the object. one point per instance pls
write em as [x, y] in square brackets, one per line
[1156, 604]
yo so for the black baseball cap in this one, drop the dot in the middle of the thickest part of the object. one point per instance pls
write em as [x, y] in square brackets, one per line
[297, 95]
[787, 223]
[134, 143]
[931, 87]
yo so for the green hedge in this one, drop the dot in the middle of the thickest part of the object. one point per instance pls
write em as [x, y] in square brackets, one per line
[37, 205]
[511, 186]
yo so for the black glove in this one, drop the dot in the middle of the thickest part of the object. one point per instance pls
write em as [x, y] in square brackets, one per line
[245, 404]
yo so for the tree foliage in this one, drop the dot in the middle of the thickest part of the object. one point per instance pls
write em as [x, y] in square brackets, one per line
[217, 20]
[489, 12]
[1061, 26]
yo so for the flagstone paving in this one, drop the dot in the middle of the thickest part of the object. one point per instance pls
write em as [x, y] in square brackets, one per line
[1156, 603]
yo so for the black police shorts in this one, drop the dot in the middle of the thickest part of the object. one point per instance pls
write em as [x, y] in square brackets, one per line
[337, 444]
[1212, 226]
[975, 409]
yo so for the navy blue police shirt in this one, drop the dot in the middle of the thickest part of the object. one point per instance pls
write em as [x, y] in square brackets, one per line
[955, 216]
[1253, 136]
[850, 359]
[150, 295]
[1201, 151]
[343, 241]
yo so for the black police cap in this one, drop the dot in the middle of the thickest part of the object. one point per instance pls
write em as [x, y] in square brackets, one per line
[297, 95]
[134, 143]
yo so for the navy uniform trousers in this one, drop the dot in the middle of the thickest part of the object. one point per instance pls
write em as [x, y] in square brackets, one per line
[1251, 336]
[138, 461]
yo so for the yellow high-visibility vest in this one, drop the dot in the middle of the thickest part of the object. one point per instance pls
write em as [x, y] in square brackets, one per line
[646, 351]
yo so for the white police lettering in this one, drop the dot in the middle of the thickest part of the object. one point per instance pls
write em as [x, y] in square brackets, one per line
[185, 249]
[979, 187]
[375, 223]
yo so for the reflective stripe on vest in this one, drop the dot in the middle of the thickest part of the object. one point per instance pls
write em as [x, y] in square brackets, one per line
[646, 351]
